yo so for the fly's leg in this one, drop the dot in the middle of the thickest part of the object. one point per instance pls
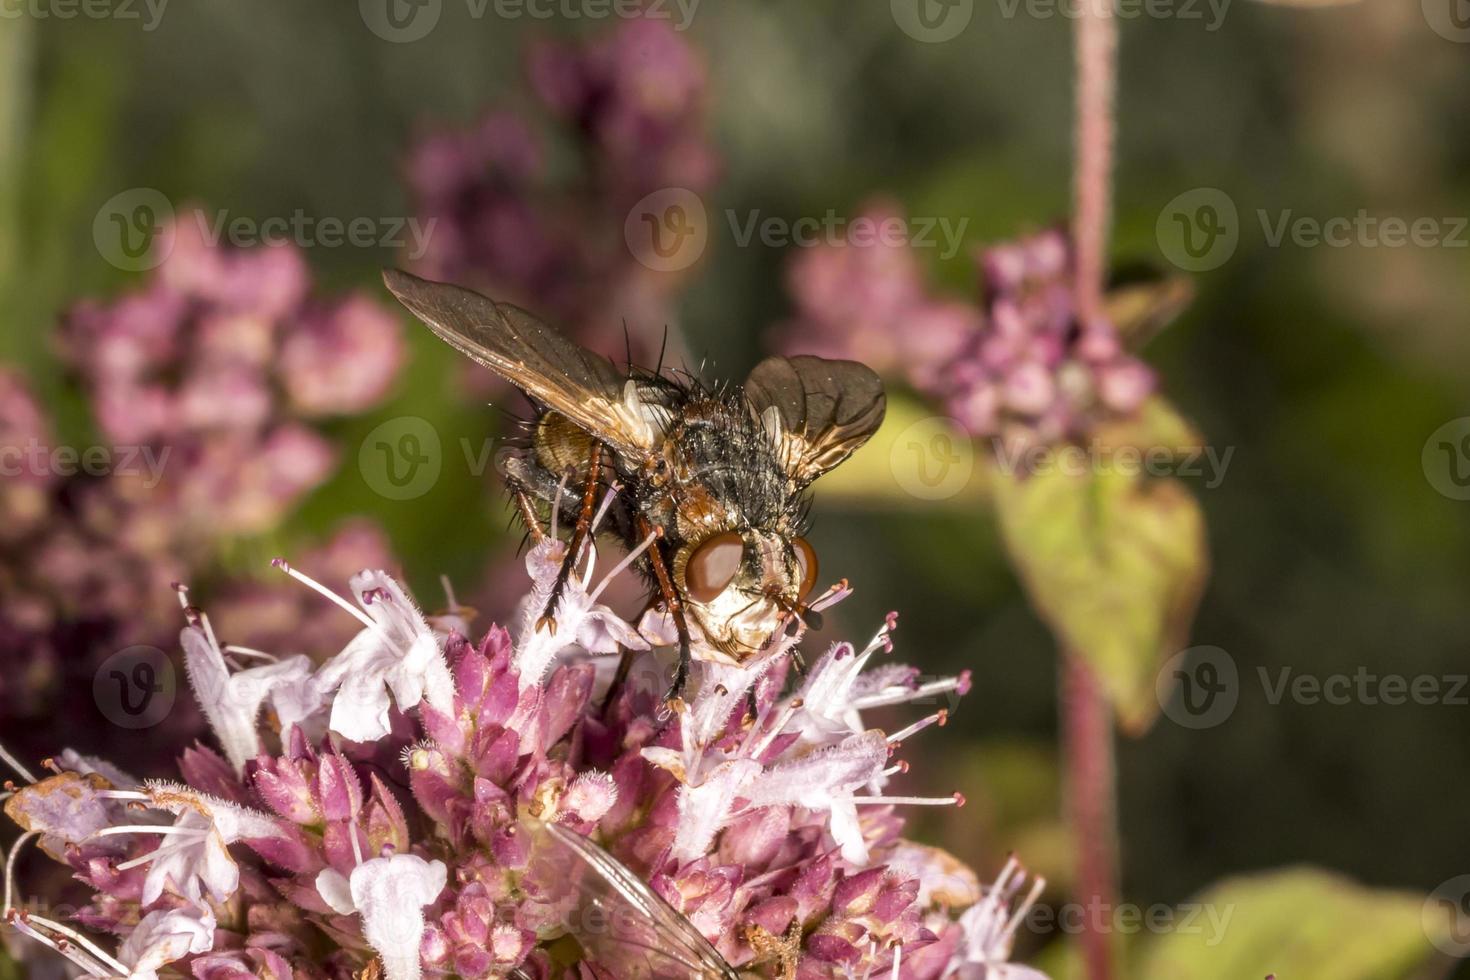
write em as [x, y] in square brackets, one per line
[625, 667]
[527, 510]
[675, 607]
[579, 537]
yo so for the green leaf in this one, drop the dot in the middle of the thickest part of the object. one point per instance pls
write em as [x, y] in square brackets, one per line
[917, 458]
[1112, 559]
[1299, 924]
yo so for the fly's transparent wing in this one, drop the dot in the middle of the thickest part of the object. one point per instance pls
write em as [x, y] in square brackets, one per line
[536, 358]
[818, 411]
[618, 919]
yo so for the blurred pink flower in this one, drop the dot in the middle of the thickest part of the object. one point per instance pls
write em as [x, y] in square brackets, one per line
[1018, 366]
[630, 102]
[205, 383]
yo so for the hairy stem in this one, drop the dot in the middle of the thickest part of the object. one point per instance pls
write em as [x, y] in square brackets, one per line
[1087, 743]
[1087, 720]
[1097, 67]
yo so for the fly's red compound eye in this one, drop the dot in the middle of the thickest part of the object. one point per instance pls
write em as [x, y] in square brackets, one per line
[713, 566]
[806, 560]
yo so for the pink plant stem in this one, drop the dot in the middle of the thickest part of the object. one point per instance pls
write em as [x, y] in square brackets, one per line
[1097, 63]
[1087, 745]
[1087, 720]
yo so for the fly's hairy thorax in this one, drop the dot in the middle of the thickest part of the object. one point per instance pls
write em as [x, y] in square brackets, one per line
[723, 472]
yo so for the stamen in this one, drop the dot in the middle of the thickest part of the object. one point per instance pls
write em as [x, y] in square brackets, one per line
[620, 566]
[835, 593]
[107, 959]
[154, 854]
[607, 502]
[939, 717]
[239, 651]
[14, 763]
[1024, 908]
[166, 830]
[898, 695]
[209, 632]
[10, 866]
[21, 925]
[313, 584]
[958, 799]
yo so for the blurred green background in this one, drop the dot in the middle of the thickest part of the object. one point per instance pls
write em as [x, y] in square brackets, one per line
[1325, 369]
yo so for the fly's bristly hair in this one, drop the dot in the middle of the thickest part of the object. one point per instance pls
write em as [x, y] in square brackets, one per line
[717, 471]
[732, 455]
[716, 436]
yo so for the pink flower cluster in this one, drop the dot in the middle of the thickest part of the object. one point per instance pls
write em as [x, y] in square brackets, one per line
[226, 360]
[629, 112]
[207, 387]
[1020, 367]
[512, 807]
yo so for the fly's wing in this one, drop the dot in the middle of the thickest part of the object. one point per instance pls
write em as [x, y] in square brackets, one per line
[618, 919]
[536, 358]
[818, 411]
